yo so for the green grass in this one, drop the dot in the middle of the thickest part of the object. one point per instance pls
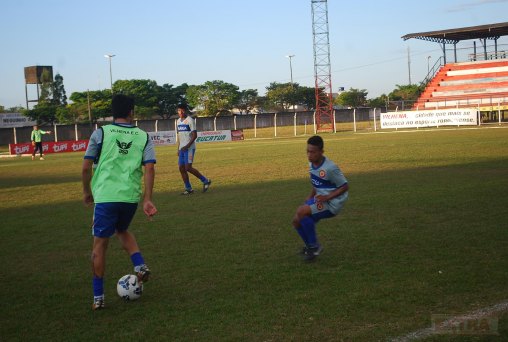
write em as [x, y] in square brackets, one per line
[225, 265]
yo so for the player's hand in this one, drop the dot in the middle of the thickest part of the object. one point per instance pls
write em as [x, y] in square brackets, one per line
[149, 209]
[33, 143]
[88, 199]
[321, 198]
[178, 153]
[183, 149]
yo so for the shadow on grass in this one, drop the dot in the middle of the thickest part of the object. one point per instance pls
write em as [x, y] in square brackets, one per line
[408, 244]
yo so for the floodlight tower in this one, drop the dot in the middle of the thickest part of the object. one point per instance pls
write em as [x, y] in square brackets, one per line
[322, 68]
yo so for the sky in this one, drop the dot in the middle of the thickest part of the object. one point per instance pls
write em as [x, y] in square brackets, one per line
[240, 42]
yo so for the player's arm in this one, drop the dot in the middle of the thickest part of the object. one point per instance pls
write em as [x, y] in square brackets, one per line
[86, 178]
[335, 193]
[193, 137]
[312, 194]
[149, 178]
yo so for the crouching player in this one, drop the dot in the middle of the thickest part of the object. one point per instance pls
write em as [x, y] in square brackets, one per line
[328, 195]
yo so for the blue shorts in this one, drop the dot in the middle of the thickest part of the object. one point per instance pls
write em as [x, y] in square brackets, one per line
[319, 211]
[186, 157]
[109, 218]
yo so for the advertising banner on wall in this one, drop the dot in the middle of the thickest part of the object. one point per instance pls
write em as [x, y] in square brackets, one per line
[430, 118]
[9, 120]
[50, 147]
[163, 138]
[169, 137]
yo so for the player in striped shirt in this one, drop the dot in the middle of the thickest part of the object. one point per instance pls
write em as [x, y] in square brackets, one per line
[328, 196]
[187, 134]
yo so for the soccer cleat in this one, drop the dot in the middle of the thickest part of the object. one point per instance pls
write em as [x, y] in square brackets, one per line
[33, 157]
[312, 252]
[41, 158]
[187, 192]
[303, 250]
[207, 185]
[143, 272]
[98, 304]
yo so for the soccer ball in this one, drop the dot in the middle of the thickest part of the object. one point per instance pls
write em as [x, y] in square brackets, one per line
[129, 288]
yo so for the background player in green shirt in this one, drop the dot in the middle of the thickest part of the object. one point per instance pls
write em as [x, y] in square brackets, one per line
[119, 151]
[36, 138]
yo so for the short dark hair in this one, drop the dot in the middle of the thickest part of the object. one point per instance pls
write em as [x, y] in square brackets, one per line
[122, 106]
[316, 141]
[182, 106]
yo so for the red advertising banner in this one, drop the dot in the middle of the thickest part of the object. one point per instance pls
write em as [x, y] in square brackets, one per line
[237, 135]
[50, 147]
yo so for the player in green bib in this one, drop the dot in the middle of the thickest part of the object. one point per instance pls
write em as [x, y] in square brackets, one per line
[36, 138]
[119, 151]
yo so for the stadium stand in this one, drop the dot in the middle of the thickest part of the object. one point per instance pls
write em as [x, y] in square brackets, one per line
[481, 84]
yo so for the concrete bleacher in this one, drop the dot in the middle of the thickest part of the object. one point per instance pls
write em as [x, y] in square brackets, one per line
[481, 84]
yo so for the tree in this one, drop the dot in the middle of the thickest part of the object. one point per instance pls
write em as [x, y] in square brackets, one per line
[352, 98]
[213, 97]
[144, 93]
[100, 105]
[306, 96]
[408, 92]
[247, 100]
[169, 97]
[281, 95]
[378, 102]
[58, 90]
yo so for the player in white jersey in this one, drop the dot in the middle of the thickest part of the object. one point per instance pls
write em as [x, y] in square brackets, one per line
[187, 134]
[328, 196]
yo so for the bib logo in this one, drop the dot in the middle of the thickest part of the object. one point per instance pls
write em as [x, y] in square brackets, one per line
[123, 148]
[322, 173]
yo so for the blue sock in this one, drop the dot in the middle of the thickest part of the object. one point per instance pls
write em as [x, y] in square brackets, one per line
[137, 259]
[203, 179]
[309, 229]
[98, 286]
[188, 185]
[300, 232]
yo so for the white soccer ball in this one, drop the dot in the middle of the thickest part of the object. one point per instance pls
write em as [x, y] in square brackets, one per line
[129, 288]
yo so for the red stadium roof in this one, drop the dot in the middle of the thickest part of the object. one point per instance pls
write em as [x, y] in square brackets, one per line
[490, 31]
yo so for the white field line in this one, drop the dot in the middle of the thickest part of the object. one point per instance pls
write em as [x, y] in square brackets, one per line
[474, 315]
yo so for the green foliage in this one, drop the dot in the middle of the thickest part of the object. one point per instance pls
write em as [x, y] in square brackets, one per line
[247, 100]
[169, 97]
[408, 92]
[353, 98]
[58, 90]
[42, 113]
[282, 96]
[100, 105]
[306, 96]
[213, 97]
[144, 93]
[378, 102]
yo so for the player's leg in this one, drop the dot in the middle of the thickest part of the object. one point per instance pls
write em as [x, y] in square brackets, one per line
[39, 146]
[301, 212]
[104, 222]
[128, 241]
[190, 169]
[98, 259]
[182, 161]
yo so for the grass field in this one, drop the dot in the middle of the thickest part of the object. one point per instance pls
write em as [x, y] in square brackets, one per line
[424, 233]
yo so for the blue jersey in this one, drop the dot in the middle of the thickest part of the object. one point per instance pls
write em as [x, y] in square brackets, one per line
[326, 178]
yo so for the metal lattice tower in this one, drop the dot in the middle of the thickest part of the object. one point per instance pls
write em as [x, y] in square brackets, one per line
[322, 68]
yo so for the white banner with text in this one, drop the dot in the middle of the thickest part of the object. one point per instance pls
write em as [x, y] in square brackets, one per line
[169, 137]
[430, 118]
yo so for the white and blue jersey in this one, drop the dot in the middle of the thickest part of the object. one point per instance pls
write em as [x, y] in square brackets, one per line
[185, 127]
[326, 178]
